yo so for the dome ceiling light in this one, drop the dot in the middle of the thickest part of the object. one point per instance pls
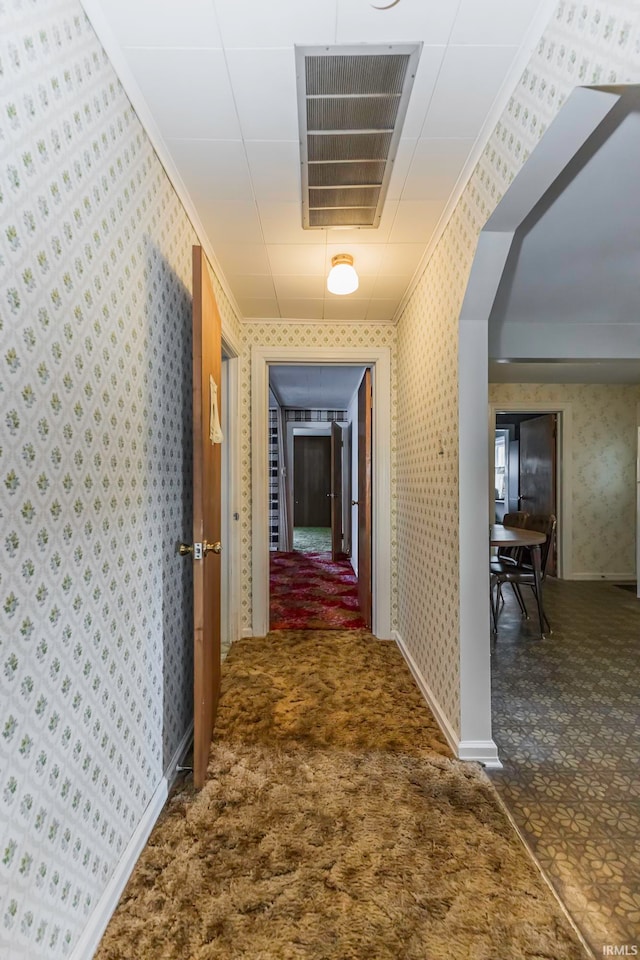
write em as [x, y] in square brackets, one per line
[342, 277]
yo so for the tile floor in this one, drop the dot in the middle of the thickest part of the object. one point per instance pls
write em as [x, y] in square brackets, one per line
[565, 714]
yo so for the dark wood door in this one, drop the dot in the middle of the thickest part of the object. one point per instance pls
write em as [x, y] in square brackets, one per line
[337, 534]
[538, 468]
[312, 481]
[207, 362]
[364, 496]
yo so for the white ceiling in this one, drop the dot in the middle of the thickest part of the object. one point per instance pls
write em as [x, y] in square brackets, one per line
[311, 387]
[215, 83]
[577, 259]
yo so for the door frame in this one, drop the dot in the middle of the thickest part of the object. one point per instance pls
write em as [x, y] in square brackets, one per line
[564, 473]
[379, 360]
[232, 472]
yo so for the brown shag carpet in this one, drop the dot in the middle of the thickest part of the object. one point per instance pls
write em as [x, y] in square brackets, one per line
[335, 826]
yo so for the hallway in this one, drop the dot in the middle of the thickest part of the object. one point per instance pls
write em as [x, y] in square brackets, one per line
[310, 591]
[565, 714]
[334, 824]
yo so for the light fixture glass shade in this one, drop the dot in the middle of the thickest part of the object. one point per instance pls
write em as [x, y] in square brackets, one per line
[342, 277]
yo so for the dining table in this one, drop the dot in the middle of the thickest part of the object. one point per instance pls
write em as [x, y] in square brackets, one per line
[501, 536]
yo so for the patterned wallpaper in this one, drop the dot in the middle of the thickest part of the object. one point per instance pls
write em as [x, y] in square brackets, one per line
[585, 42]
[95, 482]
[603, 463]
[316, 335]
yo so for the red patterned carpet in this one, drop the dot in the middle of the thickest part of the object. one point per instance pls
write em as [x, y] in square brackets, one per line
[310, 591]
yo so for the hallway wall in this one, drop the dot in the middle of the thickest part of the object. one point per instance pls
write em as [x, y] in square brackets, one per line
[315, 335]
[95, 461]
[585, 43]
[603, 455]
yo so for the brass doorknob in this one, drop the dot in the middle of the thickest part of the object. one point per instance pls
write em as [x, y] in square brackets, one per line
[212, 547]
[184, 549]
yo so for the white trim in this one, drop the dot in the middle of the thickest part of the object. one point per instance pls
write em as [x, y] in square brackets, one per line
[564, 472]
[234, 547]
[450, 734]
[109, 41]
[480, 751]
[379, 359]
[247, 633]
[93, 932]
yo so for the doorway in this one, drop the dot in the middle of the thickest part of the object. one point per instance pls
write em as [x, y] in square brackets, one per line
[313, 518]
[378, 360]
[527, 467]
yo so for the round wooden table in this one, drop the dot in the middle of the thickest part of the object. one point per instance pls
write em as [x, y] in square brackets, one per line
[502, 536]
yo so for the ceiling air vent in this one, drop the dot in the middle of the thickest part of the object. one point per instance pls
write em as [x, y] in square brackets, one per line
[351, 104]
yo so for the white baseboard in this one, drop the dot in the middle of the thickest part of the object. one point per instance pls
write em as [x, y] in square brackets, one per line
[92, 934]
[443, 722]
[618, 577]
[246, 633]
[479, 751]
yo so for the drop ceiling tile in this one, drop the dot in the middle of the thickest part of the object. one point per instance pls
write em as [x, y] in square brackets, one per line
[401, 259]
[424, 86]
[230, 222]
[299, 287]
[401, 164]
[275, 169]
[380, 311]
[345, 309]
[245, 23]
[301, 309]
[243, 258]
[493, 21]
[469, 82]
[435, 167]
[168, 80]
[264, 85]
[213, 170]
[389, 287]
[416, 220]
[287, 259]
[282, 223]
[252, 287]
[427, 20]
[191, 23]
[367, 257]
[262, 309]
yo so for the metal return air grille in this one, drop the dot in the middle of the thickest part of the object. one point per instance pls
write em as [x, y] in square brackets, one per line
[351, 105]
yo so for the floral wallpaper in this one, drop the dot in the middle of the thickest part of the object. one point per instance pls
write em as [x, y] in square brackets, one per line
[585, 42]
[603, 455]
[95, 476]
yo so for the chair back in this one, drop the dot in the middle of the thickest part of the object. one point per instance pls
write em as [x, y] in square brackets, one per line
[543, 523]
[516, 519]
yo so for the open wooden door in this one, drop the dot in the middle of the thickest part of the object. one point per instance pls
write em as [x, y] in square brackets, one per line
[538, 469]
[337, 548]
[206, 547]
[364, 496]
